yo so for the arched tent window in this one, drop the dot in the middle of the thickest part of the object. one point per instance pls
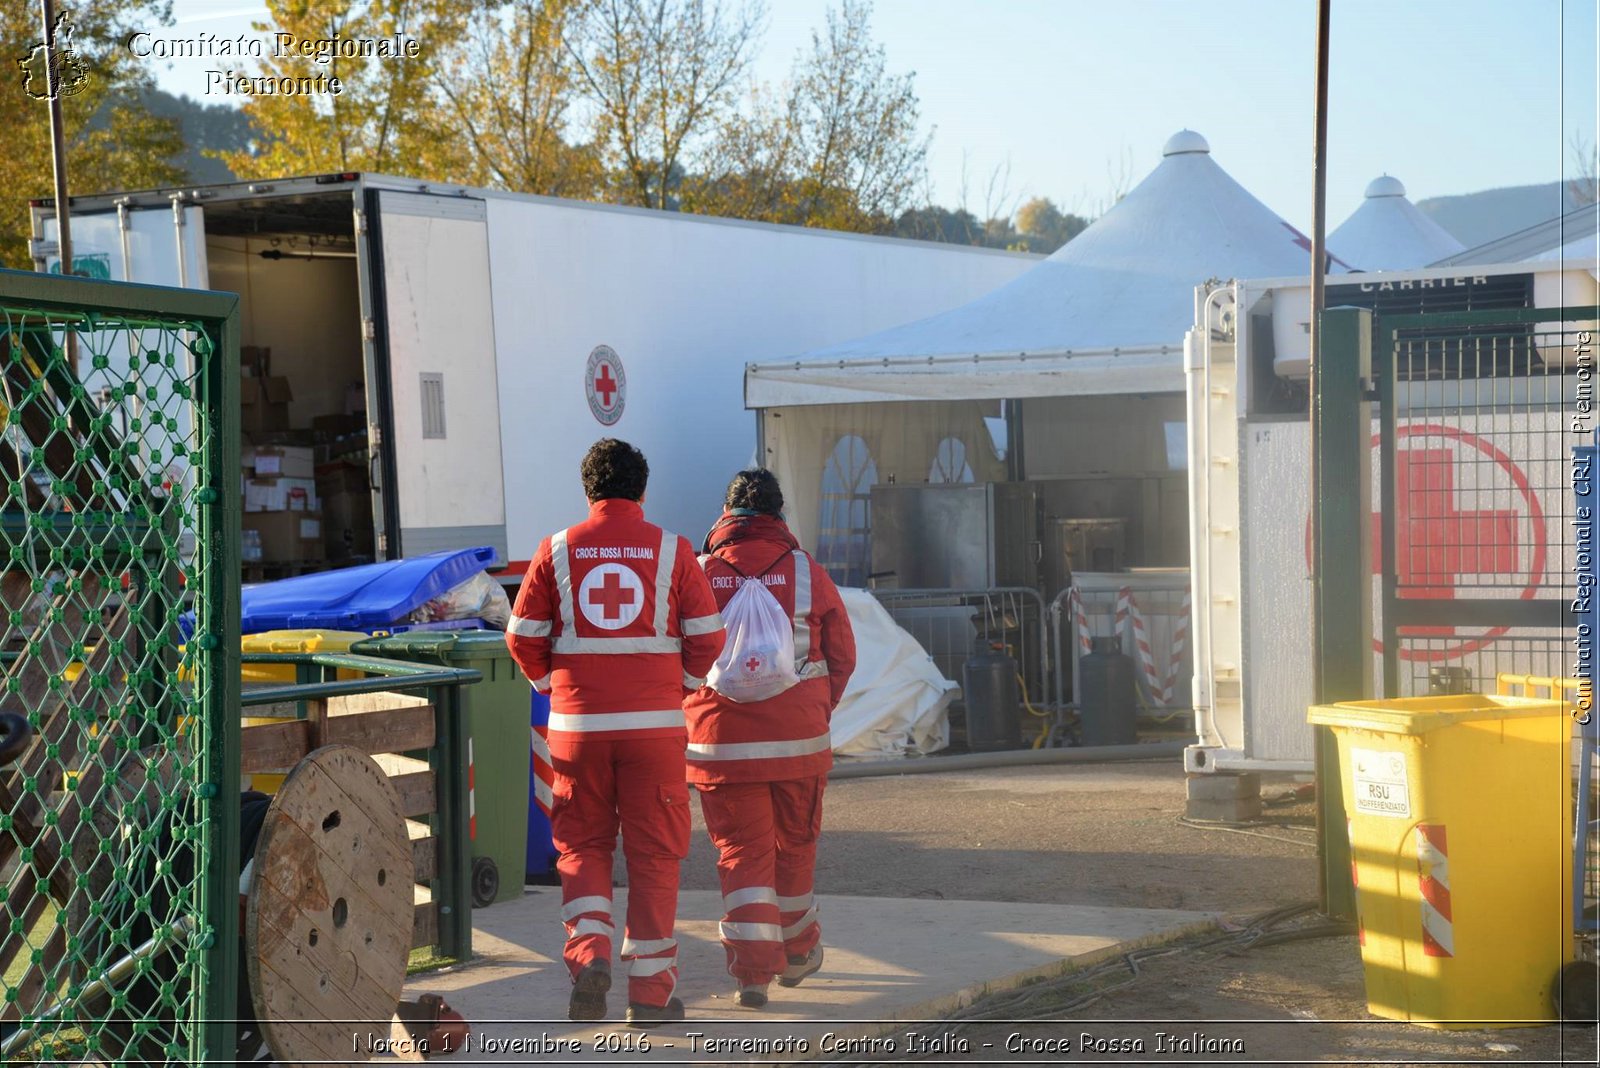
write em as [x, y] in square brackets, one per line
[842, 545]
[950, 462]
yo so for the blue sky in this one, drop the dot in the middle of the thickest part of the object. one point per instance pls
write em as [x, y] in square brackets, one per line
[1451, 96]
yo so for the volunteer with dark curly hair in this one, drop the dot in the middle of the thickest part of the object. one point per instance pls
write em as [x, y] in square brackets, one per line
[616, 623]
[760, 765]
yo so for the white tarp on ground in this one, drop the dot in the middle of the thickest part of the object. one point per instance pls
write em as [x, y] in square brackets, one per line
[1389, 233]
[896, 702]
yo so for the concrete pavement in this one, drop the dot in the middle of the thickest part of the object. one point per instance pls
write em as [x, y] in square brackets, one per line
[888, 959]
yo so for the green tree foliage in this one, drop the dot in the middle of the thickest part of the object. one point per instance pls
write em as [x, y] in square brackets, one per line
[385, 118]
[509, 91]
[113, 141]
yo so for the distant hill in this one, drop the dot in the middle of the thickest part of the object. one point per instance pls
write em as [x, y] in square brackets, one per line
[217, 127]
[1475, 218]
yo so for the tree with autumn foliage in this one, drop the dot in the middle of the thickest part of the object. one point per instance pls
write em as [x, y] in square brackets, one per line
[510, 91]
[112, 139]
[839, 146]
[386, 118]
[659, 77]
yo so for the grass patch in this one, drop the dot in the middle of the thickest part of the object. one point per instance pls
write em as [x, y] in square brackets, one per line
[422, 960]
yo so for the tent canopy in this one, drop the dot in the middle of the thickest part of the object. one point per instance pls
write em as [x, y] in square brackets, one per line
[1389, 233]
[1106, 313]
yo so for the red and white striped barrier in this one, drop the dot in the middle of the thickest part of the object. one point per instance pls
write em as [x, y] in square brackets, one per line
[1433, 876]
[1162, 684]
[1080, 621]
[472, 794]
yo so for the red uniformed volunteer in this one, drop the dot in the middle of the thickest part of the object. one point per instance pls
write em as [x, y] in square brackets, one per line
[761, 766]
[616, 622]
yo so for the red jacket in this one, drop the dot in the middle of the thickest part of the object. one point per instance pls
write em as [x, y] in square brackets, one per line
[783, 737]
[616, 621]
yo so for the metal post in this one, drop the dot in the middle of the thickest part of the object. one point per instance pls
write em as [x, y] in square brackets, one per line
[58, 156]
[1341, 560]
[58, 147]
[452, 894]
[1326, 770]
[219, 532]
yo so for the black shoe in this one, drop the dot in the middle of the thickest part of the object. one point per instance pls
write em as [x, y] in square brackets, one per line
[588, 1001]
[654, 1015]
[800, 967]
[753, 996]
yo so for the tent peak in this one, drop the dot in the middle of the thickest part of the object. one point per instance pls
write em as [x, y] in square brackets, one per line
[1185, 141]
[1385, 186]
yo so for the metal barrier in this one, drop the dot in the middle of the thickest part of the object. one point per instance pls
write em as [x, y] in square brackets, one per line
[118, 832]
[1152, 622]
[379, 716]
[954, 624]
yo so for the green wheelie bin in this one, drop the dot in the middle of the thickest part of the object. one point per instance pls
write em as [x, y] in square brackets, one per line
[499, 751]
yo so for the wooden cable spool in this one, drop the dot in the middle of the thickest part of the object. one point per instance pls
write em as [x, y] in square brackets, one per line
[328, 922]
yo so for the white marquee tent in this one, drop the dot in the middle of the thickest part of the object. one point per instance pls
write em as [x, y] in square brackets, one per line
[1389, 233]
[1090, 341]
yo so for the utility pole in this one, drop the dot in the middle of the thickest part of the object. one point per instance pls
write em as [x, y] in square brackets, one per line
[1336, 892]
[58, 155]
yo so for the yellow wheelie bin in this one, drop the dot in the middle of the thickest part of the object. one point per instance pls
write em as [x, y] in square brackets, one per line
[288, 641]
[1460, 824]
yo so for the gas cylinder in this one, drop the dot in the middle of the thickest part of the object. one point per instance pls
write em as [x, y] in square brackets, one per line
[1108, 700]
[994, 703]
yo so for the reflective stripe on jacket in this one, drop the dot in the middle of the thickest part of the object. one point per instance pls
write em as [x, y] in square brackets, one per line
[615, 621]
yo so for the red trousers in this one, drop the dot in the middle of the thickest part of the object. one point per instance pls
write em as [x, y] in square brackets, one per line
[766, 837]
[638, 784]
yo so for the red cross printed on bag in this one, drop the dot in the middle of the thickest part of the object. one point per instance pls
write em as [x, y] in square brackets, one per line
[1439, 540]
[753, 664]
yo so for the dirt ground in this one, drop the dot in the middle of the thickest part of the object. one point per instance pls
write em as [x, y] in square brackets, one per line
[1110, 835]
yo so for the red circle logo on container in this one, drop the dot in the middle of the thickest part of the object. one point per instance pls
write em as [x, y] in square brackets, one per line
[1463, 504]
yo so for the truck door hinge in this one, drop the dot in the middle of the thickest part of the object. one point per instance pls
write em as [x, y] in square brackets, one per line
[361, 222]
[369, 329]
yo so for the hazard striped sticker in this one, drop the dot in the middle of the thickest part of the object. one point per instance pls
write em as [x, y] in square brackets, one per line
[1433, 877]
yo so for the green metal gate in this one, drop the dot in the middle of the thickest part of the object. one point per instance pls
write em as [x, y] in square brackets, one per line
[1469, 552]
[119, 823]
[1478, 413]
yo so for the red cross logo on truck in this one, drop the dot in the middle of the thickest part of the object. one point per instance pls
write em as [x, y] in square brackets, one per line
[611, 596]
[1447, 530]
[605, 384]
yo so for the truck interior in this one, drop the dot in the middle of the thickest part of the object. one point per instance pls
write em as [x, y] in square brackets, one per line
[293, 262]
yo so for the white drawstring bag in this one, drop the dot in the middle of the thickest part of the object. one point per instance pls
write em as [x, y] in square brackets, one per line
[757, 661]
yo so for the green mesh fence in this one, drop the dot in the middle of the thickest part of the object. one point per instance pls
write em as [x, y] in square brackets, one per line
[118, 822]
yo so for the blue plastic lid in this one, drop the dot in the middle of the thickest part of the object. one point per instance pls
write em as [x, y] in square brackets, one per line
[368, 597]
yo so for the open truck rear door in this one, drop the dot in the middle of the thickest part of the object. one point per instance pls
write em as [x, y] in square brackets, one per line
[153, 245]
[431, 380]
[156, 246]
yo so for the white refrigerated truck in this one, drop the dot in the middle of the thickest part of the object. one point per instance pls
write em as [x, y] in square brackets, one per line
[492, 337]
